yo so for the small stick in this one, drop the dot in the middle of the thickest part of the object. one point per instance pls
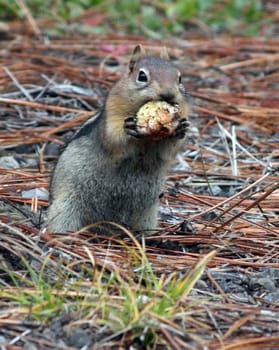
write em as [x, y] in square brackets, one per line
[30, 18]
[17, 84]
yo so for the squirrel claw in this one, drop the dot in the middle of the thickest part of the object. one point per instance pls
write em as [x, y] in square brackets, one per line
[182, 128]
[130, 126]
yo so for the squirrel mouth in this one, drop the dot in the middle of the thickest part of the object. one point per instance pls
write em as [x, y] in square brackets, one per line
[170, 101]
[168, 98]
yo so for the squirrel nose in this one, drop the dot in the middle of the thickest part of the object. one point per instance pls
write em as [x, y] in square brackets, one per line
[168, 97]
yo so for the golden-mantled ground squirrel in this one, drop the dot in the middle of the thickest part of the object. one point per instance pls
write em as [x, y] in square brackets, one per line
[110, 171]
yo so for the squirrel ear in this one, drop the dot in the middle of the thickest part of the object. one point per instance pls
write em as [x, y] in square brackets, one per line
[138, 53]
[164, 53]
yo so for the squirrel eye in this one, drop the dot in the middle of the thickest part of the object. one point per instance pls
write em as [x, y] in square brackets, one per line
[179, 79]
[142, 77]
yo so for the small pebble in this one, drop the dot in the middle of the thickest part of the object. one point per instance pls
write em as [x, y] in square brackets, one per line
[9, 162]
[40, 193]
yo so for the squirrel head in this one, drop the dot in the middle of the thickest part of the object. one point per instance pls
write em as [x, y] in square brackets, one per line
[151, 78]
[147, 78]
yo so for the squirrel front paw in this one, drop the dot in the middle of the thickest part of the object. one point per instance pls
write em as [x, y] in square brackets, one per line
[131, 128]
[182, 128]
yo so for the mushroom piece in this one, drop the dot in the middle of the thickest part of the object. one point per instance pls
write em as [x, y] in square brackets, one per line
[158, 119]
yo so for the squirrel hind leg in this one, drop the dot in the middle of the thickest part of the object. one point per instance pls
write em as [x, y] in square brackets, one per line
[63, 217]
[147, 221]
